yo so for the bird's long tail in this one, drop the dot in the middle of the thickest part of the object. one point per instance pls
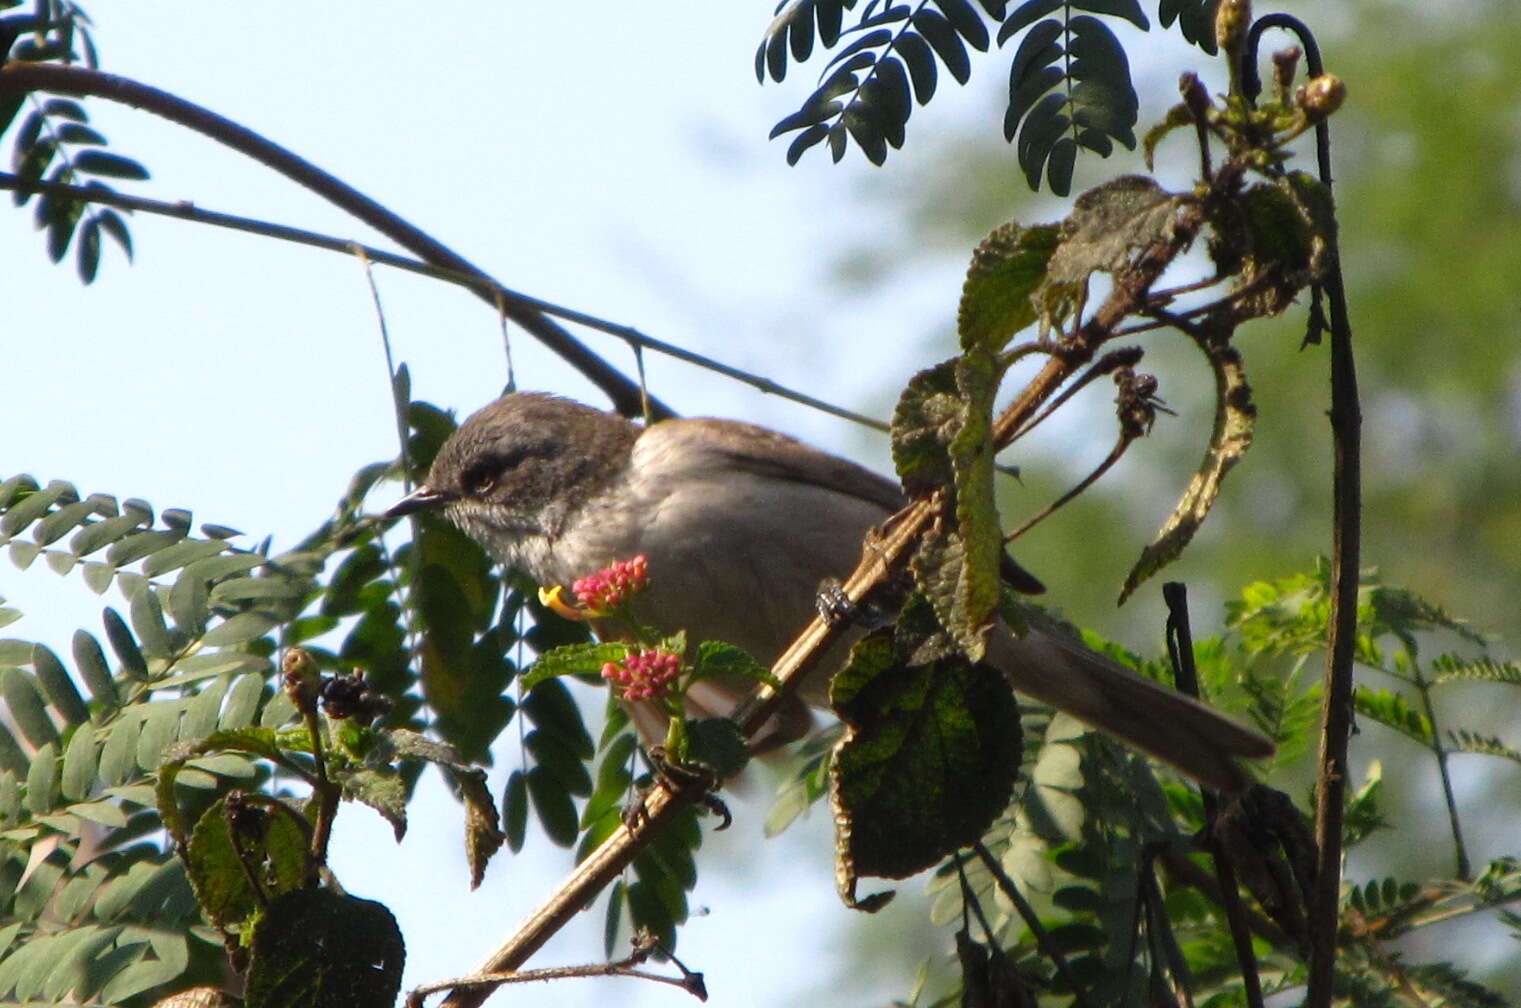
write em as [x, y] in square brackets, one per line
[1162, 722]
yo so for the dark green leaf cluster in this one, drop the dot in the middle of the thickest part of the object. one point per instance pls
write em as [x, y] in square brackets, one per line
[1069, 80]
[190, 656]
[655, 899]
[55, 142]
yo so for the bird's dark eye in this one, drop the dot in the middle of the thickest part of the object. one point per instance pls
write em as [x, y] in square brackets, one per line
[481, 477]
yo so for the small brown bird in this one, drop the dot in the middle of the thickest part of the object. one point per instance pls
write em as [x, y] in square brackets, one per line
[740, 526]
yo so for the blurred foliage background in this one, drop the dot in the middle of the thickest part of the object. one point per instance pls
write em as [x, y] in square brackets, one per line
[1427, 154]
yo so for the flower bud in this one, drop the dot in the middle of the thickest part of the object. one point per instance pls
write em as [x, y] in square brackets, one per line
[603, 592]
[302, 680]
[1322, 96]
[1285, 66]
[644, 675]
[1232, 20]
[1195, 95]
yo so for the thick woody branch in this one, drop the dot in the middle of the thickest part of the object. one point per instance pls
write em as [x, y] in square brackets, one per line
[21, 78]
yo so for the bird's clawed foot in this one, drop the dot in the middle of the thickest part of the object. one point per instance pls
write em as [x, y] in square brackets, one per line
[678, 777]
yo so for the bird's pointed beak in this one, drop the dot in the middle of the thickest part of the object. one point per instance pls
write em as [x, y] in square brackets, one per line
[424, 498]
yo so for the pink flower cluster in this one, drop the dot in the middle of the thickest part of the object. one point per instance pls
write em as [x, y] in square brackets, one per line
[644, 675]
[606, 590]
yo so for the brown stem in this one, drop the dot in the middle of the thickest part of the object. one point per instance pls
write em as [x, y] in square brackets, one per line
[1043, 940]
[21, 78]
[1180, 648]
[1336, 712]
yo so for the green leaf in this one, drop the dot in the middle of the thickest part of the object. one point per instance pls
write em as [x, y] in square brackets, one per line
[574, 659]
[148, 622]
[1231, 436]
[227, 848]
[1391, 710]
[58, 524]
[1130, 10]
[24, 705]
[1453, 668]
[42, 780]
[927, 761]
[141, 544]
[719, 745]
[382, 789]
[34, 505]
[57, 686]
[551, 752]
[98, 162]
[118, 757]
[88, 253]
[240, 629]
[718, 658]
[515, 810]
[315, 948]
[942, 434]
[1463, 740]
[937, 31]
[80, 760]
[552, 803]
[1006, 269]
[132, 661]
[242, 702]
[549, 705]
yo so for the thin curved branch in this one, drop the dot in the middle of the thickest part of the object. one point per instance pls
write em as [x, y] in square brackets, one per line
[488, 288]
[21, 78]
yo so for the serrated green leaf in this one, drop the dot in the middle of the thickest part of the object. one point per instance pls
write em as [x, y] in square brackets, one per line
[1005, 271]
[719, 745]
[360, 964]
[927, 761]
[573, 659]
[718, 658]
[382, 789]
